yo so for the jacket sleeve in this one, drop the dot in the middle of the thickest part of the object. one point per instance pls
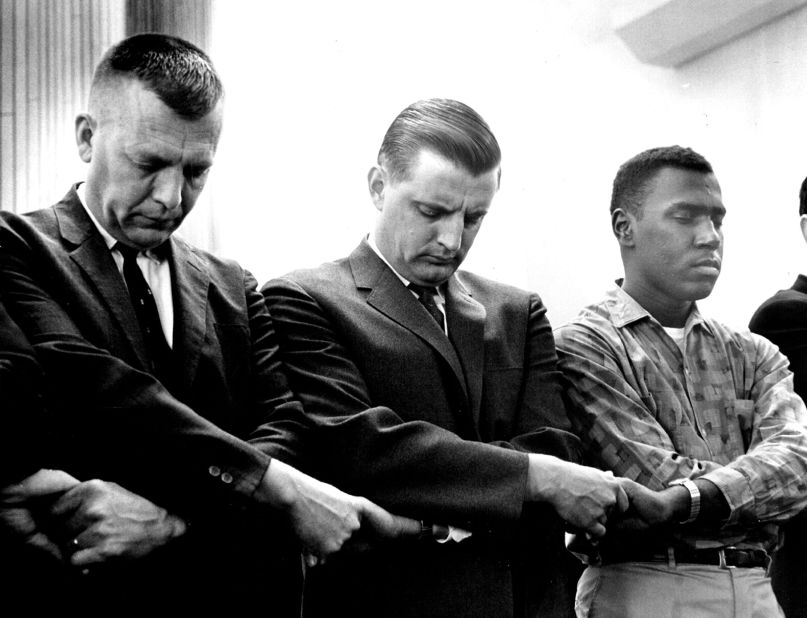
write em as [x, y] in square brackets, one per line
[541, 424]
[24, 433]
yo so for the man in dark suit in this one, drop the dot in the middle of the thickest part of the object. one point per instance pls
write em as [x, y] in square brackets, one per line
[783, 319]
[161, 369]
[449, 407]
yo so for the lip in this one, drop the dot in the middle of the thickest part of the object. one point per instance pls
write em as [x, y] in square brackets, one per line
[438, 260]
[708, 263]
[153, 221]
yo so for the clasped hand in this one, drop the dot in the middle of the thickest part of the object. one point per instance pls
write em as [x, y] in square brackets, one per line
[588, 499]
[647, 508]
[85, 523]
[324, 518]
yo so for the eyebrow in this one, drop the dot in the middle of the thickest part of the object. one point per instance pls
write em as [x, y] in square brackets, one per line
[448, 209]
[697, 208]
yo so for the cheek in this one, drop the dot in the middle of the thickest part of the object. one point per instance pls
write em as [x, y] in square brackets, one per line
[417, 237]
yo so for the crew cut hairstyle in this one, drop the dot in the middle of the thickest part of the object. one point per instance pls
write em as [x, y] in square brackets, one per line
[446, 127]
[177, 71]
[803, 198]
[632, 180]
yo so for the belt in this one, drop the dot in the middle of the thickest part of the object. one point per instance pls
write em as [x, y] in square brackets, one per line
[723, 557]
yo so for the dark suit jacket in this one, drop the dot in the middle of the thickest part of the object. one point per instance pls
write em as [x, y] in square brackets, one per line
[783, 319]
[199, 450]
[22, 413]
[410, 410]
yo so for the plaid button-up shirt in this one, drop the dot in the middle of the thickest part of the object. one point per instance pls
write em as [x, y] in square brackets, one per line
[725, 411]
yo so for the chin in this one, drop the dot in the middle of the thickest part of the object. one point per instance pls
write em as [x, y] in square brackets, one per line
[701, 291]
[148, 241]
[435, 280]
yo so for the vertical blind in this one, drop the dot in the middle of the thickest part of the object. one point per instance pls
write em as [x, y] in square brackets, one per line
[48, 49]
[47, 53]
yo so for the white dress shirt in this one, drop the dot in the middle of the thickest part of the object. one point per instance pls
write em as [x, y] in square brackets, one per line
[155, 270]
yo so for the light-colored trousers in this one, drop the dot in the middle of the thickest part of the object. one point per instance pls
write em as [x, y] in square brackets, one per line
[657, 590]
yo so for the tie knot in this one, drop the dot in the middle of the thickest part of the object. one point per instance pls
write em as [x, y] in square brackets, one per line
[423, 291]
[128, 253]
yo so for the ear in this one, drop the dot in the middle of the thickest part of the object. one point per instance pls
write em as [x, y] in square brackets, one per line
[85, 129]
[622, 223]
[377, 181]
[803, 223]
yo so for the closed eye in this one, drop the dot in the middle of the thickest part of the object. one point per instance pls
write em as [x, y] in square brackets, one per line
[195, 174]
[428, 212]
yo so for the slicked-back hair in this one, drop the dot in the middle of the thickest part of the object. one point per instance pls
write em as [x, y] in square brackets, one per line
[803, 198]
[446, 127]
[177, 71]
[631, 183]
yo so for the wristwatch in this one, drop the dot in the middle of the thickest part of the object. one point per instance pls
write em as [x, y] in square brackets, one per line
[694, 499]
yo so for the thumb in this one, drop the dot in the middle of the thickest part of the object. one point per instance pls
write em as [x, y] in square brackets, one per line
[386, 525]
[631, 487]
[42, 541]
[41, 483]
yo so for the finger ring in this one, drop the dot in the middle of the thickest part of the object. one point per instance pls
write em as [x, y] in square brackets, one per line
[426, 530]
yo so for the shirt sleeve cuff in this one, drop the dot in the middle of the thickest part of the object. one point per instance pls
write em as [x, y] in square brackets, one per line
[735, 488]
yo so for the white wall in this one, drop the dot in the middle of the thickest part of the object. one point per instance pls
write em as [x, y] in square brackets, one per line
[312, 87]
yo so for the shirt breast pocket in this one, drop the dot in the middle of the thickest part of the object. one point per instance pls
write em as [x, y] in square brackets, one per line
[740, 421]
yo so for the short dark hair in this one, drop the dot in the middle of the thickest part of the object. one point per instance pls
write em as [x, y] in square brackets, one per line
[803, 198]
[177, 71]
[448, 128]
[631, 181]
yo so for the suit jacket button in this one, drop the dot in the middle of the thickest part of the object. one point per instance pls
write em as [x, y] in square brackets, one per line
[227, 478]
[214, 470]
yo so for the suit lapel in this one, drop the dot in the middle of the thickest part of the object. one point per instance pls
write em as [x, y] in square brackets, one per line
[191, 282]
[93, 257]
[466, 328]
[389, 296]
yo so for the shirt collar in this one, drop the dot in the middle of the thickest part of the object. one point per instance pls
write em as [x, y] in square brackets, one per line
[156, 254]
[624, 310]
[404, 280]
[108, 238]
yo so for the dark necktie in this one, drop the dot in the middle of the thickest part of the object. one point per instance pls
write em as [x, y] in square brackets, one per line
[147, 315]
[426, 297]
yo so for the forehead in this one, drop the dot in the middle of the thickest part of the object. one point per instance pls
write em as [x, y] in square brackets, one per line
[146, 123]
[432, 176]
[673, 186]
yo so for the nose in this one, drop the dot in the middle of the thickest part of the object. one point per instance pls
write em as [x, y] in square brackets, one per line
[449, 232]
[167, 188]
[709, 235]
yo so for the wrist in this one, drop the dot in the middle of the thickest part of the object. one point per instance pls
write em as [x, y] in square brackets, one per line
[690, 501]
[277, 487]
[542, 472]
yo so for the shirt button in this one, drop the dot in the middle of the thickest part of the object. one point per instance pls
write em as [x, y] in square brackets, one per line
[227, 478]
[214, 470]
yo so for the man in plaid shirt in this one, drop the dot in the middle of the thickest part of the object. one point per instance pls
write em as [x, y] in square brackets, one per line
[704, 415]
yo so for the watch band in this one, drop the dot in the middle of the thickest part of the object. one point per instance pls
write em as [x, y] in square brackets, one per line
[694, 499]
